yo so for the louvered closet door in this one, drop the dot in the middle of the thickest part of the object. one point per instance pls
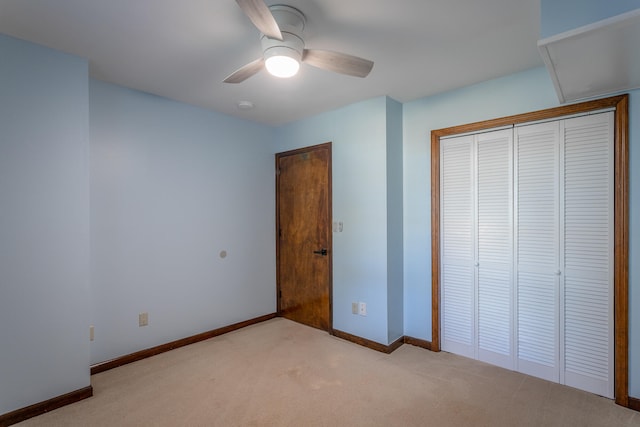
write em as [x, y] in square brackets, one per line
[476, 269]
[588, 253]
[457, 250]
[494, 203]
[537, 249]
[527, 249]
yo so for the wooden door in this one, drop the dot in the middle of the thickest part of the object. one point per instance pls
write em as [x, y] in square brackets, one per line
[303, 225]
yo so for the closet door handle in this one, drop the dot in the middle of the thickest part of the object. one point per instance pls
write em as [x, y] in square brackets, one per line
[558, 272]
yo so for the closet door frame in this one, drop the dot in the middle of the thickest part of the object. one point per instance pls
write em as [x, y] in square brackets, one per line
[621, 220]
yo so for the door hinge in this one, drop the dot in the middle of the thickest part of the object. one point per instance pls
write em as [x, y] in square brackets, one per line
[278, 171]
[279, 294]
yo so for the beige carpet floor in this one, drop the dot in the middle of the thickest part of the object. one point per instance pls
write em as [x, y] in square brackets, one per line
[280, 373]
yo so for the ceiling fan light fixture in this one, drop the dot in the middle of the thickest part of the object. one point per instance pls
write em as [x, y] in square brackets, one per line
[283, 47]
[282, 66]
[282, 59]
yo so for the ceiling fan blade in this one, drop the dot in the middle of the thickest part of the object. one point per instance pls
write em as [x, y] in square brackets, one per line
[338, 62]
[261, 17]
[245, 72]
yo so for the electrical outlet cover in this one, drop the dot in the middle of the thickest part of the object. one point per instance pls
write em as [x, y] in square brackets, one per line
[362, 308]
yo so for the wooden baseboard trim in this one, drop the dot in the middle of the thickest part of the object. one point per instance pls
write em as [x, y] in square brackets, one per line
[381, 347]
[163, 348]
[36, 409]
[634, 403]
[418, 342]
[368, 343]
[395, 345]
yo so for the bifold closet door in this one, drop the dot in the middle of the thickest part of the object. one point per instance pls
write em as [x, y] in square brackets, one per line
[537, 223]
[494, 247]
[527, 249]
[587, 254]
[476, 265]
[564, 251]
[457, 270]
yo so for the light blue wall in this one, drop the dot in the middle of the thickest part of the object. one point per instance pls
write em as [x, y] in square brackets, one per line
[395, 258]
[44, 224]
[558, 16]
[518, 93]
[171, 186]
[358, 136]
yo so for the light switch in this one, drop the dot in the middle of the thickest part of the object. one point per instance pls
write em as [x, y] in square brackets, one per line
[143, 319]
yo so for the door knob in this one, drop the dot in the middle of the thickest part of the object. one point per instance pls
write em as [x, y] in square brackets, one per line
[322, 252]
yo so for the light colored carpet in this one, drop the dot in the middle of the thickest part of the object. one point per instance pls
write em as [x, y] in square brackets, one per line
[280, 373]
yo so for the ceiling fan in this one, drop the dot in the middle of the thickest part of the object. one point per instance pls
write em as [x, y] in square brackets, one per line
[283, 47]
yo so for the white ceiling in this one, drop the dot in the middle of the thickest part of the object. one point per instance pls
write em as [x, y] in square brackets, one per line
[184, 49]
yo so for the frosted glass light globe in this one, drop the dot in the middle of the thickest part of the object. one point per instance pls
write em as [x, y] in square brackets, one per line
[282, 66]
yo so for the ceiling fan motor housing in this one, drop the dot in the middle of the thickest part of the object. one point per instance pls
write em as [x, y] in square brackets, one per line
[291, 22]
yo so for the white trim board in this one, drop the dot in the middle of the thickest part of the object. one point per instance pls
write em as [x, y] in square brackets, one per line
[595, 59]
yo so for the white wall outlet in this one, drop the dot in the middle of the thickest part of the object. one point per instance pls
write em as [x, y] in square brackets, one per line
[354, 307]
[91, 333]
[362, 308]
[143, 319]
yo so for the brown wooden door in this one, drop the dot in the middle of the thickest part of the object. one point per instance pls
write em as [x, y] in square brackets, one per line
[303, 210]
